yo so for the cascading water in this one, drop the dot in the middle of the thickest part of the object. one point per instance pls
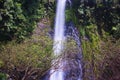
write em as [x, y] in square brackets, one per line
[66, 69]
[59, 27]
[59, 38]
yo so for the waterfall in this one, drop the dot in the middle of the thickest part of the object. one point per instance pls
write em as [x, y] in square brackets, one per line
[63, 69]
[59, 38]
[59, 27]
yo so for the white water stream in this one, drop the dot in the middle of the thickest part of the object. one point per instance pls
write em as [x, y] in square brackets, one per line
[59, 67]
[59, 39]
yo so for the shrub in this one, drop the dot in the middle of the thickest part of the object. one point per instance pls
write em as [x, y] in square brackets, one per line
[110, 67]
[26, 61]
[18, 17]
[102, 62]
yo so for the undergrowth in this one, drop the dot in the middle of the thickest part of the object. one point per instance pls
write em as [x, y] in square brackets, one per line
[101, 57]
[28, 60]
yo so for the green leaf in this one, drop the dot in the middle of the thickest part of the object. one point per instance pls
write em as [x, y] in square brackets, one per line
[114, 28]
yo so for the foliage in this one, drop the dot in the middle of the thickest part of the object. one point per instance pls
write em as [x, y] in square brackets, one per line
[104, 14]
[91, 52]
[116, 31]
[109, 67]
[101, 62]
[2, 76]
[26, 61]
[69, 13]
[18, 18]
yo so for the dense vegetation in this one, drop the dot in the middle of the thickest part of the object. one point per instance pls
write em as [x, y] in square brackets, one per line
[98, 22]
[18, 17]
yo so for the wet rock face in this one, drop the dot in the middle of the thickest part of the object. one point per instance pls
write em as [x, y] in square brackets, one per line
[73, 69]
[73, 59]
[71, 31]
